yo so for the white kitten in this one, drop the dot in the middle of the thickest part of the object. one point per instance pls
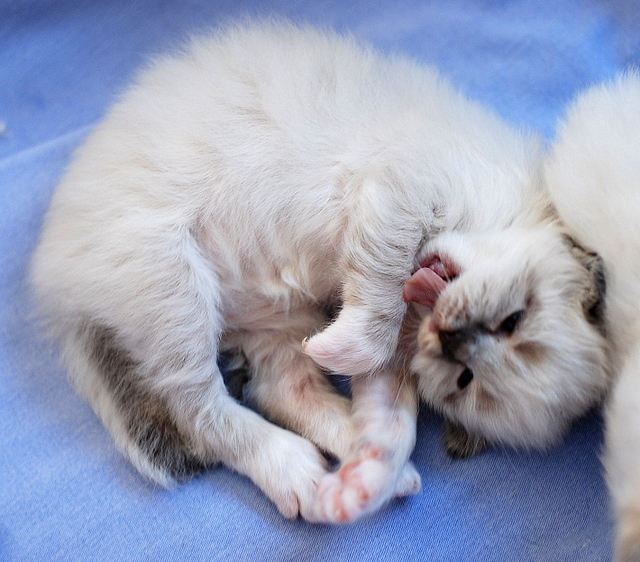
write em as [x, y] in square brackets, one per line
[594, 177]
[240, 188]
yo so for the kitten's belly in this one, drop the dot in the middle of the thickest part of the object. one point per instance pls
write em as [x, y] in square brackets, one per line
[259, 290]
[286, 255]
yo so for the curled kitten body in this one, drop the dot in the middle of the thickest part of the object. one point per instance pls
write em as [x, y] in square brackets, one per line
[237, 191]
[594, 177]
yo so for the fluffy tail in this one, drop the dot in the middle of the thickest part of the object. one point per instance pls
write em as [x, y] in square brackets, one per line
[150, 428]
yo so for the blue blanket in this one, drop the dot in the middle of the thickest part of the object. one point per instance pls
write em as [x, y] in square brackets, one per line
[67, 494]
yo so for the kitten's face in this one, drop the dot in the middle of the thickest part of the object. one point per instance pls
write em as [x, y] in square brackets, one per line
[509, 345]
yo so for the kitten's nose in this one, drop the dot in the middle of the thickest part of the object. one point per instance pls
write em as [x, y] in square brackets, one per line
[452, 341]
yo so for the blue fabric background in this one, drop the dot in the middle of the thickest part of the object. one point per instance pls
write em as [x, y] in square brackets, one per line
[66, 494]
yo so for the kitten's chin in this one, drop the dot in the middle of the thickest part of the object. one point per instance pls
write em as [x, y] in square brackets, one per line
[511, 432]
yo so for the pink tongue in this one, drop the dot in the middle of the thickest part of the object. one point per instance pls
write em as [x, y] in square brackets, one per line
[423, 287]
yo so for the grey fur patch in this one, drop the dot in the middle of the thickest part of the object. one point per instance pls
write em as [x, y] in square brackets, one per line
[460, 444]
[148, 419]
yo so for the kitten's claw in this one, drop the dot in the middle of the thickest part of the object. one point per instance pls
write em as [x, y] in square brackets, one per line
[363, 484]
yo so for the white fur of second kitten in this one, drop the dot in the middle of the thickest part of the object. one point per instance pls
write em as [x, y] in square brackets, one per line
[594, 177]
[245, 184]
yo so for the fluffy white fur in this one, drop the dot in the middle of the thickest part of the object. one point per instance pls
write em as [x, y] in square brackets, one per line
[594, 177]
[251, 181]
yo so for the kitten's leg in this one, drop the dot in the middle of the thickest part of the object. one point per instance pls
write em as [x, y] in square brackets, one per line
[381, 241]
[183, 428]
[289, 388]
[385, 412]
[622, 458]
[147, 363]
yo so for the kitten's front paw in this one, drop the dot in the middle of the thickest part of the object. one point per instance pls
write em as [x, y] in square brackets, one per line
[344, 349]
[363, 484]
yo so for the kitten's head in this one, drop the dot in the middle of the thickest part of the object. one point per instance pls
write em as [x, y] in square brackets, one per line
[511, 344]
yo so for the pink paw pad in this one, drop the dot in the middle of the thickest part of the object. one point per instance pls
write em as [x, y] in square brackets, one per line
[358, 488]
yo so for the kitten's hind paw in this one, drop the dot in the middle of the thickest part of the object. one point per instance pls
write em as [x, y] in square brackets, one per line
[409, 483]
[289, 470]
[363, 485]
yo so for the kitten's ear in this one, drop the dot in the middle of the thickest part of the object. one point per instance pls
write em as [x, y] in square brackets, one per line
[593, 297]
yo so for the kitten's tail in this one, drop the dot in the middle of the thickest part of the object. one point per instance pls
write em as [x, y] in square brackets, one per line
[139, 417]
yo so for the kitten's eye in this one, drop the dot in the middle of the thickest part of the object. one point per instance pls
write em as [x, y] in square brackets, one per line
[510, 323]
[465, 378]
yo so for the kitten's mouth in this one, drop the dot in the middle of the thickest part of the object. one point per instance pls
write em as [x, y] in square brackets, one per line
[431, 278]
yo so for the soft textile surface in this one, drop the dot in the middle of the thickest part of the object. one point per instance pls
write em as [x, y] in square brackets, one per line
[66, 494]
